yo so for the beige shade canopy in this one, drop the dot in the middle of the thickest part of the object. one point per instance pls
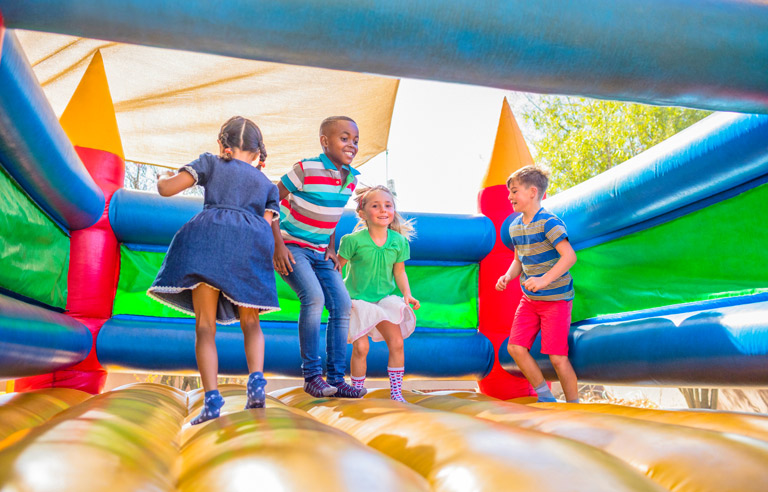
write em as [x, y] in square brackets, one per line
[170, 104]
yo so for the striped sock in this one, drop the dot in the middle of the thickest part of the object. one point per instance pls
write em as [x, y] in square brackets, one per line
[317, 387]
[358, 382]
[396, 383]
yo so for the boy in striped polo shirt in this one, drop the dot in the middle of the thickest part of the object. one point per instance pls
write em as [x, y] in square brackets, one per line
[543, 256]
[312, 197]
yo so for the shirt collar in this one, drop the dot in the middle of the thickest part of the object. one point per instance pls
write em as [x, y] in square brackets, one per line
[330, 165]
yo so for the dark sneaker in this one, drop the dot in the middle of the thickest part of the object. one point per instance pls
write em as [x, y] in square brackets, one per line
[347, 391]
[317, 387]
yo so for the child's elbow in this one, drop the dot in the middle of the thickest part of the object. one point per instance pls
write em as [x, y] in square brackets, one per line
[162, 189]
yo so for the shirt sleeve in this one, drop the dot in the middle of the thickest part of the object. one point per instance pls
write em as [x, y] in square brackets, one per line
[293, 180]
[555, 231]
[404, 251]
[347, 247]
[200, 168]
[272, 202]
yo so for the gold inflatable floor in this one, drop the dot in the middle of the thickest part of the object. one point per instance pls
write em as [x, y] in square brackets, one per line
[137, 438]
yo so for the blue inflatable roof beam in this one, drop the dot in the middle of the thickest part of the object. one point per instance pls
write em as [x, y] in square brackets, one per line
[167, 345]
[690, 170]
[723, 346]
[709, 55]
[36, 152]
[145, 218]
[36, 341]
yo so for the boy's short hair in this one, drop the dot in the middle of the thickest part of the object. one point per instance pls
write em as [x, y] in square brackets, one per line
[531, 176]
[331, 120]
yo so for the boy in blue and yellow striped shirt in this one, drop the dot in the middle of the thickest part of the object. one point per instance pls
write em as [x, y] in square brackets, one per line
[543, 256]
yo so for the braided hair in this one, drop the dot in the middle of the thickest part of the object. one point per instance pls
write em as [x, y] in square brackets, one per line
[241, 133]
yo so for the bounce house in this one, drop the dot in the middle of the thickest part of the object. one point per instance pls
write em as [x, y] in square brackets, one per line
[671, 283]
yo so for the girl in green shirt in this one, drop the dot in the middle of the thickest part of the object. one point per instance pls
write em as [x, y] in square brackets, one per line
[376, 252]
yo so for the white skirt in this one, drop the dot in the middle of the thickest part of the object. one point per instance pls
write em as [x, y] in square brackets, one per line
[366, 315]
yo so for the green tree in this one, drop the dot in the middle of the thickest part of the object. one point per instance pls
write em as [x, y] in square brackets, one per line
[579, 138]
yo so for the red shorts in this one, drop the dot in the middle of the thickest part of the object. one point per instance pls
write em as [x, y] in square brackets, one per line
[553, 318]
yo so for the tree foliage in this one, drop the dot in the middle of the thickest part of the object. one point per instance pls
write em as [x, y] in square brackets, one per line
[579, 138]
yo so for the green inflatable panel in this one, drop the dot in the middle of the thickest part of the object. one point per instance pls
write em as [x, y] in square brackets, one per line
[34, 252]
[448, 294]
[715, 252]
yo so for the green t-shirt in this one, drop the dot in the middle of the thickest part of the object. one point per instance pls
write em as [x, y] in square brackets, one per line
[370, 275]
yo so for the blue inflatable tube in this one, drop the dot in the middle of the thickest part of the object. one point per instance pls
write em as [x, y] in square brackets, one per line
[36, 152]
[145, 218]
[36, 341]
[722, 346]
[722, 153]
[168, 345]
[710, 55]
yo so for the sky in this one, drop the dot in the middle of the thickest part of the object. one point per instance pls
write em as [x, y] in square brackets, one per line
[440, 143]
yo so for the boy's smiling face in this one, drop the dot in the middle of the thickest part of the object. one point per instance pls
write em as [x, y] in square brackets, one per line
[340, 142]
[523, 198]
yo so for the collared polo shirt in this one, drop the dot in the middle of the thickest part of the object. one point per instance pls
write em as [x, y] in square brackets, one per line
[535, 248]
[310, 213]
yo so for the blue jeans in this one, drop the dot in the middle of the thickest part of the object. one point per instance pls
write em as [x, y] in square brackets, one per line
[318, 284]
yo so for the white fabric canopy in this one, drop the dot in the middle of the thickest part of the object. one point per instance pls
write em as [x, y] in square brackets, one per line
[170, 104]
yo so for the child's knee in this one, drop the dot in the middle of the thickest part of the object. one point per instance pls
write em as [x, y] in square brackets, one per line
[560, 361]
[360, 347]
[516, 350]
[396, 344]
[250, 325]
[205, 329]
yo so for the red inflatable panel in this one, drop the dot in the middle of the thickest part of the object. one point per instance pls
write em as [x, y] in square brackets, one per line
[497, 309]
[94, 266]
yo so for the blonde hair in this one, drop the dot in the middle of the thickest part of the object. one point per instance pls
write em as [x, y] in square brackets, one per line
[399, 224]
[531, 176]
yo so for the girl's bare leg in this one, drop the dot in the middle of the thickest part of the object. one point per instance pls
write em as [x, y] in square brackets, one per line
[394, 338]
[358, 364]
[204, 300]
[254, 339]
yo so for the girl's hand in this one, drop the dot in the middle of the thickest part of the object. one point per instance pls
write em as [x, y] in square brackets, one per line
[501, 284]
[330, 255]
[412, 300]
[165, 174]
[535, 284]
[282, 259]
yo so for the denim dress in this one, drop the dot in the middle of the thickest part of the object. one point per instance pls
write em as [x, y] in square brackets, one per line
[228, 245]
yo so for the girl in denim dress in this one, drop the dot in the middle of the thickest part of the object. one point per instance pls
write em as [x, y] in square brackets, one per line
[219, 264]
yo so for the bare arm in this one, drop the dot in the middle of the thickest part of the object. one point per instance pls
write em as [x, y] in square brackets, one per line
[566, 261]
[512, 272]
[169, 184]
[401, 279]
[283, 258]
